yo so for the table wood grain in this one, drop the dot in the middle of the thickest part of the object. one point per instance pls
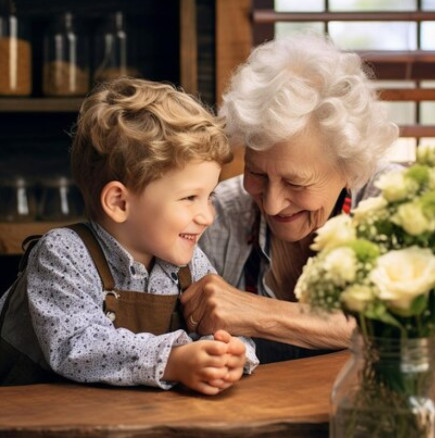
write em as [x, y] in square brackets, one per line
[282, 399]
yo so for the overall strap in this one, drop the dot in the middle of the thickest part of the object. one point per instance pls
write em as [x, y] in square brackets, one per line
[184, 278]
[97, 254]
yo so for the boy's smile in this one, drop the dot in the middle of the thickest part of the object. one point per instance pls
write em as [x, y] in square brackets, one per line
[167, 219]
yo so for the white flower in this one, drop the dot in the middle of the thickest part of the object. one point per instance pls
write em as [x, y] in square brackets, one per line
[369, 206]
[335, 232]
[308, 271]
[412, 219]
[357, 296]
[403, 275]
[396, 187]
[341, 265]
[431, 184]
[426, 154]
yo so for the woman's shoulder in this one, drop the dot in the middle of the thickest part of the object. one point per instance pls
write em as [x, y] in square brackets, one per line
[230, 196]
[370, 189]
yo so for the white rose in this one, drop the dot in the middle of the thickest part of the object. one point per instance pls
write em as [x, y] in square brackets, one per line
[426, 154]
[431, 179]
[357, 296]
[395, 186]
[341, 265]
[369, 206]
[335, 232]
[403, 275]
[411, 218]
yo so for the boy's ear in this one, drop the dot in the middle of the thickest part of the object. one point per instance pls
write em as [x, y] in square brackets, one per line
[114, 201]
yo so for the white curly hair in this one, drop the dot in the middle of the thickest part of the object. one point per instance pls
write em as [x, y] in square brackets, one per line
[288, 83]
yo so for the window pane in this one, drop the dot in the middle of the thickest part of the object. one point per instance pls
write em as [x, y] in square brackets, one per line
[286, 28]
[428, 5]
[298, 6]
[428, 35]
[402, 113]
[402, 151]
[426, 140]
[374, 35]
[372, 5]
[427, 113]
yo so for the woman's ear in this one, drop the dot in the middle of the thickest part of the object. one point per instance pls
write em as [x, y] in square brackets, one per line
[113, 200]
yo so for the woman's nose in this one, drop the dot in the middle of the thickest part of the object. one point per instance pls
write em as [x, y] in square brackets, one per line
[274, 200]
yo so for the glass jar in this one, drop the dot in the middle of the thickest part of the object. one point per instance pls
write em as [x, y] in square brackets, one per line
[114, 49]
[60, 200]
[15, 54]
[66, 61]
[18, 201]
[384, 390]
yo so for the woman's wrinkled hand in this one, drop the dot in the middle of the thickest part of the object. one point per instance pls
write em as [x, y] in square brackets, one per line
[211, 304]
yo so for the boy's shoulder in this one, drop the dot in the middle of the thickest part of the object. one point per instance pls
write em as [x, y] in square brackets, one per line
[61, 240]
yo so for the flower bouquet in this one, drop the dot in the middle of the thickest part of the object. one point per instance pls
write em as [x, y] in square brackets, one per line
[378, 265]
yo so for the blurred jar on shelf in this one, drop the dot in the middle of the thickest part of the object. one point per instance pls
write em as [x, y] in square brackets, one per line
[66, 59]
[17, 200]
[60, 200]
[115, 49]
[15, 53]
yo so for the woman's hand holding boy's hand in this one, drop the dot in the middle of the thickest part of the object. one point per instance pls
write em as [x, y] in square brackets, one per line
[207, 366]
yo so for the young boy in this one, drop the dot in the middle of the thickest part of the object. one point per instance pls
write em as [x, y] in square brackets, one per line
[146, 158]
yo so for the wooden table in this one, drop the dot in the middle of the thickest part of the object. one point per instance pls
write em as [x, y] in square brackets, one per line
[282, 399]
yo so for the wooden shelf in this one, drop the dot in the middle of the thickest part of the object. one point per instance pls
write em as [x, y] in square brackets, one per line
[13, 234]
[48, 104]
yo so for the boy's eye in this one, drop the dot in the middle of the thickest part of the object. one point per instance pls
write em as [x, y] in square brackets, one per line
[190, 198]
[211, 196]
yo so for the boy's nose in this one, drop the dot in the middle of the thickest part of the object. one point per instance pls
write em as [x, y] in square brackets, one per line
[206, 215]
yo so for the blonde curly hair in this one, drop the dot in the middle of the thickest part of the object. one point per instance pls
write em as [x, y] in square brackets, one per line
[134, 131]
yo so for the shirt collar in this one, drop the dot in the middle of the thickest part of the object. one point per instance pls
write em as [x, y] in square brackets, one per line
[119, 258]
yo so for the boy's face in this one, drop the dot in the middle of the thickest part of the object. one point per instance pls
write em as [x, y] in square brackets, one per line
[167, 219]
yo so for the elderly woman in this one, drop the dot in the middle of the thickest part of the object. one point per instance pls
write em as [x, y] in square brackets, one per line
[315, 135]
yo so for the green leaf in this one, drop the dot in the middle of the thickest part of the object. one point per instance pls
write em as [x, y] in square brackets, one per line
[379, 312]
[417, 307]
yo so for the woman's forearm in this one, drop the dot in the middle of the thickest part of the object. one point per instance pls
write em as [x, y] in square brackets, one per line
[292, 323]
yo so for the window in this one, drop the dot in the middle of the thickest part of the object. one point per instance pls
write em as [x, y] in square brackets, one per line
[397, 38]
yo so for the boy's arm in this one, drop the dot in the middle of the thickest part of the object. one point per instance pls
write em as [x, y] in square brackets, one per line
[77, 339]
[251, 358]
[201, 266]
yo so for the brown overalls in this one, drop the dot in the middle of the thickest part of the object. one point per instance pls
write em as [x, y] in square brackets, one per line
[21, 359]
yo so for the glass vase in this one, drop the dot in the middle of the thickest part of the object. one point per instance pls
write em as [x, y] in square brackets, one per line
[385, 390]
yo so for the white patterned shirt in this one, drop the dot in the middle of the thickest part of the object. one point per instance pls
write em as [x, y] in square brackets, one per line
[66, 297]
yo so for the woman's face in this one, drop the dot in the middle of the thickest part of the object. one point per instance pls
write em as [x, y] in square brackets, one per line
[295, 184]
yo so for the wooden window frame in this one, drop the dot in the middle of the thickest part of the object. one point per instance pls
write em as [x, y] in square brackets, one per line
[415, 65]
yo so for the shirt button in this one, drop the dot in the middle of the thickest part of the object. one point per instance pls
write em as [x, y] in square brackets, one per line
[132, 270]
[174, 276]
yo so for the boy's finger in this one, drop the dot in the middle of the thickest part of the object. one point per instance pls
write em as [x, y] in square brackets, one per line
[222, 335]
[212, 373]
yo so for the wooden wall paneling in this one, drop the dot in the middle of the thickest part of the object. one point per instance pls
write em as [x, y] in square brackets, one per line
[188, 46]
[233, 45]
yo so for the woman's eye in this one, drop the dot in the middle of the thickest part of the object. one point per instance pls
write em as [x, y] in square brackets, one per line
[294, 186]
[256, 174]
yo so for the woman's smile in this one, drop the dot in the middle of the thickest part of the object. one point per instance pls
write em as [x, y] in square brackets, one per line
[284, 218]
